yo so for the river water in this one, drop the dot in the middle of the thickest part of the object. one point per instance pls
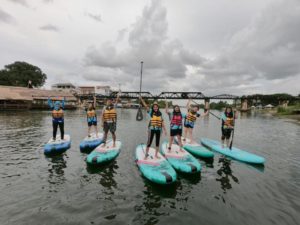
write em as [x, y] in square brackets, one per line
[36, 189]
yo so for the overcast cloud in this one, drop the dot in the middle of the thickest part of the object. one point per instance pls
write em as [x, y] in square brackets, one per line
[218, 47]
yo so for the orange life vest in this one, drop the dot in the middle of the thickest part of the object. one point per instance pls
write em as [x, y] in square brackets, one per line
[191, 117]
[91, 113]
[110, 115]
[57, 113]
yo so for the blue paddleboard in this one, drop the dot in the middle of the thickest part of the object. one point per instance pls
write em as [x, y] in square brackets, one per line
[57, 146]
[156, 170]
[234, 153]
[195, 148]
[90, 143]
[181, 160]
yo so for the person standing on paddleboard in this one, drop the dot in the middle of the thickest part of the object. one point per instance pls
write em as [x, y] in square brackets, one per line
[190, 120]
[156, 124]
[92, 117]
[175, 125]
[227, 117]
[109, 120]
[57, 117]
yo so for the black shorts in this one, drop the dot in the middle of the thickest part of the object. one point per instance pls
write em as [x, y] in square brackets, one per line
[92, 123]
[110, 127]
[226, 133]
[187, 125]
[176, 132]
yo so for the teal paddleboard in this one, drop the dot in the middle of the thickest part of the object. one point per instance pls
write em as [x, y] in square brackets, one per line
[195, 148]
[156, 170]
[234, 153]
[180, 159]
[103, 154]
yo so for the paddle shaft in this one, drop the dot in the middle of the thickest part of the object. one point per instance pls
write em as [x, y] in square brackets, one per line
[232, 135]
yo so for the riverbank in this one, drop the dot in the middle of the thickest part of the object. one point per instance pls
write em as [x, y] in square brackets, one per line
[291, 112]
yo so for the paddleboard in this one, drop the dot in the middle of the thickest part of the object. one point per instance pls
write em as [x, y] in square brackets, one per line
[195, 148]
[234, 153]
[181, 160]
[156, 170]
[57, 146]
[105, 154]
[90, 143]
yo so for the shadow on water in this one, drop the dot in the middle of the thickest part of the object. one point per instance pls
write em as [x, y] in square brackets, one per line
[56, 168]
[225, 173]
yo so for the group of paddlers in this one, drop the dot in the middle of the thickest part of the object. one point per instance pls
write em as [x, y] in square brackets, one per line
[180, 123]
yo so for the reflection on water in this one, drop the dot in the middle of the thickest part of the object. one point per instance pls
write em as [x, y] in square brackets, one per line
[225, 174]
[56, 177]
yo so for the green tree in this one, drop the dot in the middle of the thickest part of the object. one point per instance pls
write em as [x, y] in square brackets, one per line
[19, 73]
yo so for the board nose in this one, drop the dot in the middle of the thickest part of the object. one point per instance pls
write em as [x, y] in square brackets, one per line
[94, 160]
[169, 178]
[193, 168]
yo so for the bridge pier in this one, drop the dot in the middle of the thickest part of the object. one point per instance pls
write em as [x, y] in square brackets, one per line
[284, 103]
[244, 105]
[206, 104]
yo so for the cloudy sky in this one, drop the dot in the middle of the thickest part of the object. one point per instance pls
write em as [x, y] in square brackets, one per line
[221, 46]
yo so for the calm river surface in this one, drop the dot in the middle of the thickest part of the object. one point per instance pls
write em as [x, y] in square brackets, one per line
[36, 189]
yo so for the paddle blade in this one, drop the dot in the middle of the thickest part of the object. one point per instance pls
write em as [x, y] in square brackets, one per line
[230, 146]
[139, 115]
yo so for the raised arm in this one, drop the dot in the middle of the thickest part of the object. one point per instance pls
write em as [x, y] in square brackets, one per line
[167, 108]
[94, 104]
[144, 104]
[63, 103]
[50, 103]
[188, 104]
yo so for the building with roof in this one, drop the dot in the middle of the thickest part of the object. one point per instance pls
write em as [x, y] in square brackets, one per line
[27, 98]
[69, 87]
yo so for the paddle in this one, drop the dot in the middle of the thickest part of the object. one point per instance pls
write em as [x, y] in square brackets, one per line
[232, 135]
[208, 111]
[139, 115]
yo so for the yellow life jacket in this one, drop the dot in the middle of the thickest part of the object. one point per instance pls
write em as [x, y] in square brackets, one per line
[57, 113]
[156, 121]
[91, 113]
[229, 121]
[191, 117]
[110, 115]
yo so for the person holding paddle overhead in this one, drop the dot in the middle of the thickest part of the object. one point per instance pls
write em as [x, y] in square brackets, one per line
[109, 120]
[175, 125]
[228, 118]
[57, 117]
[190, 120]
[156, 124]
[92, 117]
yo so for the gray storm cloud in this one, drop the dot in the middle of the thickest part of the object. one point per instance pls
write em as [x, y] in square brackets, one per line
[148, 41]
[49, 27]
[21, 2]
[6, 17]
[266, 49]
[96, 17]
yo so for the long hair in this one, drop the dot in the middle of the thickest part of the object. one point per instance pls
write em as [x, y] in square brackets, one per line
[176, 113]
[230, 114]
[158, 113]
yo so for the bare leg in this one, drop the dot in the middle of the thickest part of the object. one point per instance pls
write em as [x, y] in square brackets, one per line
[146, 154]
[179, 142]
[185, 133]
[104, 138]
[191, 135]
[170, 143]
[156, 153]
[89, 131]
[227, 142]
[96, 131]
[114, 139]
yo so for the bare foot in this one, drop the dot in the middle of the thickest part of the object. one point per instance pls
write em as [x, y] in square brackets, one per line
[156, 156]
[181, 150]
[146, 156]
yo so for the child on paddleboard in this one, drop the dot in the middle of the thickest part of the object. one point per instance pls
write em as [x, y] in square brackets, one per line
[109, 120]
[190, 120]
[156, 124]
[227, 117]
[92, 117]
[57, 117]
[175, 125]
